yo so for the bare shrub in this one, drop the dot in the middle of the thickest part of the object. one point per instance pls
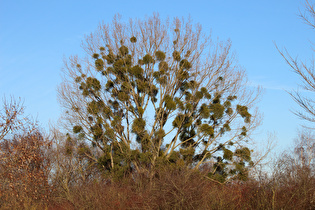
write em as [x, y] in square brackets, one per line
[24, 161]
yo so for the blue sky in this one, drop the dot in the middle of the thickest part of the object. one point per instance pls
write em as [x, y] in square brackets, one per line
[35, 36]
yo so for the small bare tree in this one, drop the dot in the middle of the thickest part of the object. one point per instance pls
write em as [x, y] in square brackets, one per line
[24, 162]
[71, 165]
[294, 172]
[10, 117]
[305, 150]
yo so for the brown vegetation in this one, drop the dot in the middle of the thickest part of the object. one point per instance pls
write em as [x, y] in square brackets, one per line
[24, 161]
[290, 185]
[37, 175]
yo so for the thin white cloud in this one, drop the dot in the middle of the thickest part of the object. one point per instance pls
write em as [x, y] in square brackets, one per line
[270, 85]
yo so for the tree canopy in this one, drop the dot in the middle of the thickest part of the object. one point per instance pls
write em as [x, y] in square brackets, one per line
[152, 92]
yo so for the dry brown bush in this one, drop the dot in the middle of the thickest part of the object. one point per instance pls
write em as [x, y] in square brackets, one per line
[24, 169]
[182, 188]
[24, 160]
[171, 188]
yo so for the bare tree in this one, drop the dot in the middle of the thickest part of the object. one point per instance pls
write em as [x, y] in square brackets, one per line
[24, 158]
[151, 91]
[10, 117]
[305, 150]
[297, 164]
[71, 165]
[305, 71]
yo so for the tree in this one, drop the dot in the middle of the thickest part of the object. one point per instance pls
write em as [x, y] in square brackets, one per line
[305, 72]
[24, 162]
[151, 92]
[71, 166]
[294, 172]
[10, 117]
[304, 150]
